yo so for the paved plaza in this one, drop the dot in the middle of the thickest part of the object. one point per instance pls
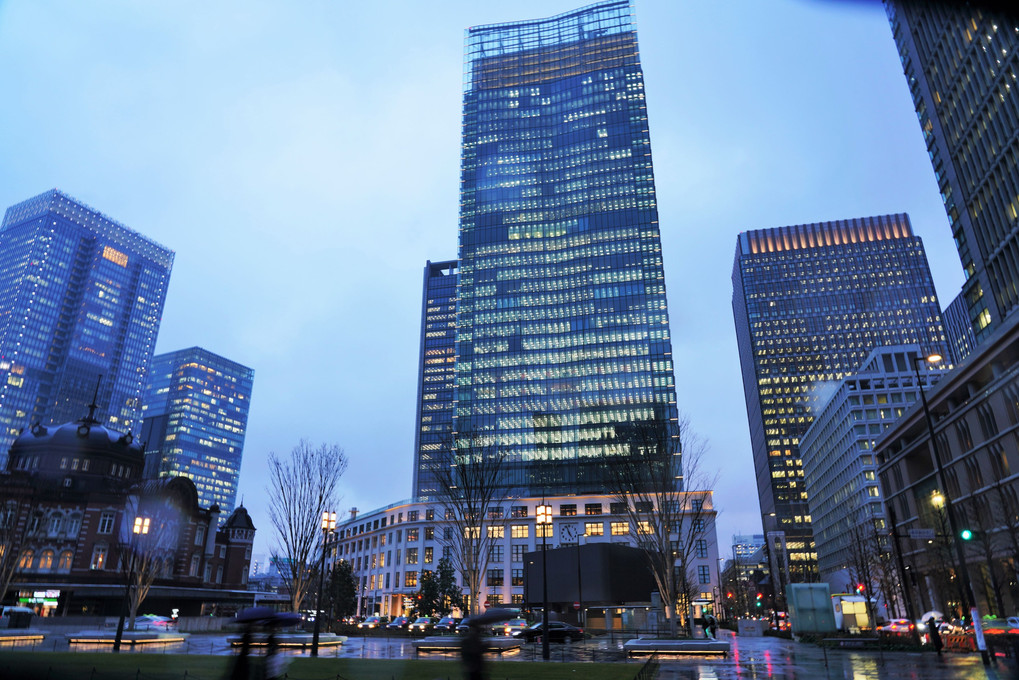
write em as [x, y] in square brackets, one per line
[763, 658]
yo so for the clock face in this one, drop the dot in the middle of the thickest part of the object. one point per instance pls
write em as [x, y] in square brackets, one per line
[569, 532]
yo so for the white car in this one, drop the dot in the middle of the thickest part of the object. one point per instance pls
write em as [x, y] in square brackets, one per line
[152, 622]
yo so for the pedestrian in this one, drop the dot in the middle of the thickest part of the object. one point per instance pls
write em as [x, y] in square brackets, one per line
[472, 652]
[275, 661]
[712, 626]
[935, 636]
[242, 664]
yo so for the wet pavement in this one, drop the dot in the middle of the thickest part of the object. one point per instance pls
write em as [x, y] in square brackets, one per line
[751, 658]
[777, 659]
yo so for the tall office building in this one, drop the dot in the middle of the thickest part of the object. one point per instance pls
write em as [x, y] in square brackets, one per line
[436, 374]
[196, 415]
[810, 302]
[81, 298]
[562, 327]
[961, 62]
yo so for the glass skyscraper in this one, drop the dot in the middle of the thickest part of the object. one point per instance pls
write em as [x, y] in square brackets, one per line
[81, 298]
[196, 415]
[961, 61]
[562, 326]
[436, 374]
[810, 302]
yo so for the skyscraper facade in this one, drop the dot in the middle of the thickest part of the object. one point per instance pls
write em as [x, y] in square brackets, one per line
[810, 302]
[562, 326]
[196, 416]
[961, 61]
[81, 299]
[436, 374]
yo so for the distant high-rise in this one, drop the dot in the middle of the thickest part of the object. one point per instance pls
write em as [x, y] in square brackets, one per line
[81, 298]
[961, 61]
[562, 326]
[196, 415]
[810, 303]
[436, 373]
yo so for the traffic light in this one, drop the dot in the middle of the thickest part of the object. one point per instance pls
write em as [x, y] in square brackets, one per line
[759, 596]
[859, 588]
[966, 535]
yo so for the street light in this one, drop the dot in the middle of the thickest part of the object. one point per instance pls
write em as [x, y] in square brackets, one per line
[328, 525]
[544, 522]
[140, 528]
[581, 619]
[966, 590]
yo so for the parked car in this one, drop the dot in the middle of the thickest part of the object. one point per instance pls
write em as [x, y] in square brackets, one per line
[399, 623]
[372, 622]
[422, 624]
[513, 626]
[152, 622]
[557, 632]
[465, 624]
[447, 623]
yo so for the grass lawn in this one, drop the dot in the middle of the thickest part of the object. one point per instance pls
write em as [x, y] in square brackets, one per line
[103, 666]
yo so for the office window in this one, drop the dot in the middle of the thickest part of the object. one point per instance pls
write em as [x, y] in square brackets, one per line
[98, 557]
[592, 508]
[429, 514]
[594, 528]
[495, 577]
[519, 531]
[701, 548]
[704, 574]
[106, 522]
[495, 513]
[517, 553]
[412, 534]
[200, 534]
[412, 516]
[543, 531]
[412, 556]
[496, 532]
[568, 510]
[429, 554]
[518, 511]
[617, 508]
[517, 577]
[620, 528]
[429, 533]
[410, 579]
[495, 553]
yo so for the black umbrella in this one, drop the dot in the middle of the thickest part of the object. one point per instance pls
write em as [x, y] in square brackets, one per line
[491, 616]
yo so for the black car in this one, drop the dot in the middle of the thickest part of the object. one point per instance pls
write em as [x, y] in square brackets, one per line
[399, 623]
[447, 623]
[557, 632]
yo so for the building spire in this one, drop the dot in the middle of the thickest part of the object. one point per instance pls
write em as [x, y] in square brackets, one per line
[90, 419]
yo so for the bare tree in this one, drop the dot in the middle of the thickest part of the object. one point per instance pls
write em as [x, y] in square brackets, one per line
[15, 508]
[149, 536]
[301, 486]
[469, 493]
[980, 514]
[667, 497]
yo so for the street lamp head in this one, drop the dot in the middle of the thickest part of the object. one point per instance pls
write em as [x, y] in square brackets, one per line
[328, 520]
[937, 499]
[544, 514]
[934, 358]
[141, 525]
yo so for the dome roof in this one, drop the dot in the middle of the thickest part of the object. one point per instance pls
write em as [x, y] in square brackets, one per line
[80, 436]
[239, 519]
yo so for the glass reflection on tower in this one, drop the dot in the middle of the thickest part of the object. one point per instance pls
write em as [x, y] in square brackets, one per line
[562, 325]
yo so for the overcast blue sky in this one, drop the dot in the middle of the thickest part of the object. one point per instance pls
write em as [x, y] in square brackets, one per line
[302, 159]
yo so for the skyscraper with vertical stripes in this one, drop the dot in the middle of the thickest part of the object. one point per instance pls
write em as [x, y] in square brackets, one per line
[810, 302]
[563, 333]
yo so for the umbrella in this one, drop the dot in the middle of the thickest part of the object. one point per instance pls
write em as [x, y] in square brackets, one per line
[266, 616]
[938, 616]
[492, 616]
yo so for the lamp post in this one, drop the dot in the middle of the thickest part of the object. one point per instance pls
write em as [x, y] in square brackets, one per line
[328, 524]
[139, 528]
[544, 522]
[581, 619]
[969, 601]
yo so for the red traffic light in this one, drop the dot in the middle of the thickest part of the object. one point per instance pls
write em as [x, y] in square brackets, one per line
[859, 588]
[759, 596]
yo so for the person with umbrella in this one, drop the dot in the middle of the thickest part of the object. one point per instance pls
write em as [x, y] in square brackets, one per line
[935, 636]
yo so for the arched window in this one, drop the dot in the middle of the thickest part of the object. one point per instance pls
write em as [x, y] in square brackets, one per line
[46, 560]
[65, 560]
[26, 559]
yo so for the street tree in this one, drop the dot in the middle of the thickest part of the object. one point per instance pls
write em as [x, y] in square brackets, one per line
[658, 477]
[15, 509]
[301, 486]
[469, 493]
[341, 590]
[439, 594]
[148, 536]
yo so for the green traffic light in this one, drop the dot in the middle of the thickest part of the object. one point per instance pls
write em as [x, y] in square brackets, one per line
[966, 534]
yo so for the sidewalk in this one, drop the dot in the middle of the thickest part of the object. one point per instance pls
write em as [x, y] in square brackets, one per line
[768, 658]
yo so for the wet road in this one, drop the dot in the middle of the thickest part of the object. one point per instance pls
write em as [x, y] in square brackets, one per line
[751, 658]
